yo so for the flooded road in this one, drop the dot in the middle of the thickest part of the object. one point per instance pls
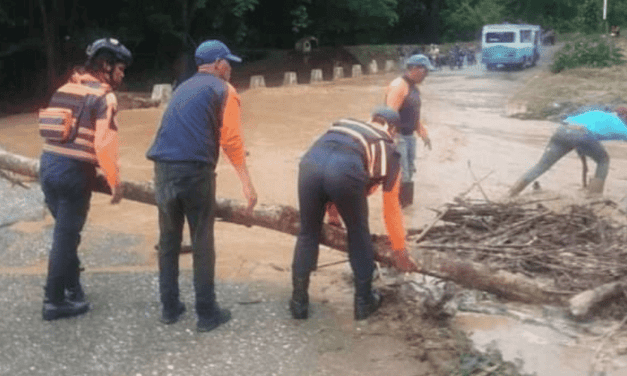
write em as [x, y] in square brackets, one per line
[472, 108]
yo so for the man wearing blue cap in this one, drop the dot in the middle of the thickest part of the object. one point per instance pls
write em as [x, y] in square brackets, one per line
[343, 167]
[402, 94]
[202, 117]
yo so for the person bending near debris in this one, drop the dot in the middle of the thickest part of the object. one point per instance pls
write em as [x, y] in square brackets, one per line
[583, 133]
[202, 116]
[402, 95]
[343, 167]
[81, 133]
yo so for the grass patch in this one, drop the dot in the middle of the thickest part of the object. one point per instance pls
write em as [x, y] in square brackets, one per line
[587, 51]
[551, 95]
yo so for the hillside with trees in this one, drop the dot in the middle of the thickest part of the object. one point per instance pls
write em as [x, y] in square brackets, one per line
[41, 40]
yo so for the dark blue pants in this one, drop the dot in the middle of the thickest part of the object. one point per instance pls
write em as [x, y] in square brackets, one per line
[67, 185]
[332, 172]
[564, 140]
[186, 190]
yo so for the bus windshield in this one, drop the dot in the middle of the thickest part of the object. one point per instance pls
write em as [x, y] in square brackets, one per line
[500, 37]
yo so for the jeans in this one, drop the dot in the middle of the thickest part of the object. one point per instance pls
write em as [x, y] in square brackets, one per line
[565, 139]
[406, 146]
[186, 190]
[331, 172]
[67, 185]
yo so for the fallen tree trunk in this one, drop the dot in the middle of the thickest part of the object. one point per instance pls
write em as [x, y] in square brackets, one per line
[275, 217]
[477, 276]
[582, 304]
[286, 219]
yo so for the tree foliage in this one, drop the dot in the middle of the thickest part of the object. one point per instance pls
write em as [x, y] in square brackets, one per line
[159, 30]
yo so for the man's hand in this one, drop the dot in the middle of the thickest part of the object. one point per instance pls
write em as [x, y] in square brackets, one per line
[427, 142]
[116, 195]
[403, 262]
[247, 185]
[251, 197]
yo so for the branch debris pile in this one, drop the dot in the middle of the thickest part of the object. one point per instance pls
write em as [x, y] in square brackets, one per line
[576, 248]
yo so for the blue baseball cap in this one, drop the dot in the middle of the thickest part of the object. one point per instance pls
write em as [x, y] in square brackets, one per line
[419, 59]
[212, 50]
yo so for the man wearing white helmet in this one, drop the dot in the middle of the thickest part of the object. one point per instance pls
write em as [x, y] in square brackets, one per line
[402, 95]
[343, 167]
[80, 134]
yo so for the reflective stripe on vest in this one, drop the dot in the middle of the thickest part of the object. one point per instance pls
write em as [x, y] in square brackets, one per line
[375, 141]
[73, 96]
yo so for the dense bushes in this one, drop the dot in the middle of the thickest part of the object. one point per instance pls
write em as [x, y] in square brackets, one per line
[590, 51]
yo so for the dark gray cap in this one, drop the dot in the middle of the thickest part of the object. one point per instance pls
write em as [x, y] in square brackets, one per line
[388, 114]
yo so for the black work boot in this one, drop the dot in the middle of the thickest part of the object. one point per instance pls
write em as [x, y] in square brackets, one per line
[55, 305]
[208, 323]
[65, 308]
[367, 300]
[406, 194]
[299, 304]
[171, 312]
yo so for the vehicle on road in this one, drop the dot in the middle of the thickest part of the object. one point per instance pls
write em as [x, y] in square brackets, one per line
[510, 45]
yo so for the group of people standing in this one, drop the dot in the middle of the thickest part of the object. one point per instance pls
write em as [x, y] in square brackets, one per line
[350, 161]
[337, 173]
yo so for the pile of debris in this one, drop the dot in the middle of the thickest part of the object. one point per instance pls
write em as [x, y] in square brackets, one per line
[576, 248]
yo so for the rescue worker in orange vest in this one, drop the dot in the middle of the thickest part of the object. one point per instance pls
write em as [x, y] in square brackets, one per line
[343, 167]
[81, 134]
[402, 95]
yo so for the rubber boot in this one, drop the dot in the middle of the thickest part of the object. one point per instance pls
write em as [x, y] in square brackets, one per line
[595, 187]
[367, 300]
[518, 187]
[299, 304]
[406, 194]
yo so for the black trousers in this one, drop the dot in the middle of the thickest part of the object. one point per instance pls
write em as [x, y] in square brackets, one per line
[332, 172]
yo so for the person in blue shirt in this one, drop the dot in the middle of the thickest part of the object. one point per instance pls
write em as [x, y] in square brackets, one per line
[583, 133]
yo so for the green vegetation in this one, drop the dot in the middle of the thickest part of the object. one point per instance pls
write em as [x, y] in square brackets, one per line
[587, 51]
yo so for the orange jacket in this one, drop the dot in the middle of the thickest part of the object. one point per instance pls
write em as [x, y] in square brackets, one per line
[231, 140]
[393, 215]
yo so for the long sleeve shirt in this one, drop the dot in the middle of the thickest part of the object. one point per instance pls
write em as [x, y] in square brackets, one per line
[203, 115]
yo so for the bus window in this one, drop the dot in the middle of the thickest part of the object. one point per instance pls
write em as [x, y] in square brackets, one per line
[525, 36]
[500, 37]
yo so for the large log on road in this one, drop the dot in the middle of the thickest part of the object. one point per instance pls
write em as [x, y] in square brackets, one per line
[286, 219]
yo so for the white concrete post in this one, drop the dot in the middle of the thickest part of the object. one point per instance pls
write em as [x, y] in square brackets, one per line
[356, 70]
[257, 81]
[316, 75]
[338, 72]
[373, 67]
[290, 79]
[161, 93]
[389, 65]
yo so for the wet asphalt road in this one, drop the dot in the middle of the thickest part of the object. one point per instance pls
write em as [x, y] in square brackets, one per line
[121, 335]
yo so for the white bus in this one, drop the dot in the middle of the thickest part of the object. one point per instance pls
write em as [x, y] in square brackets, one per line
[510, 45]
